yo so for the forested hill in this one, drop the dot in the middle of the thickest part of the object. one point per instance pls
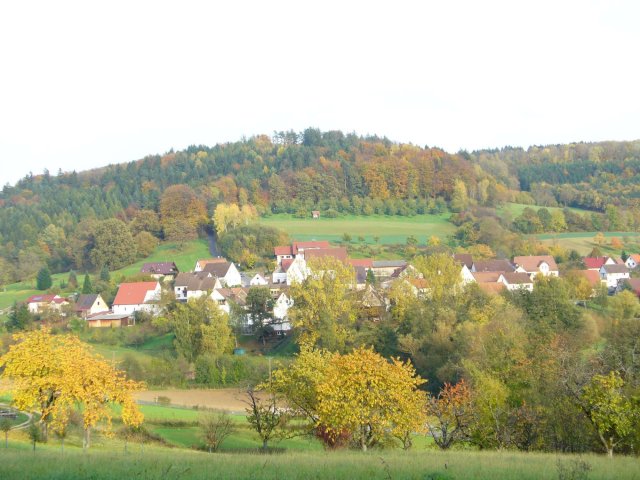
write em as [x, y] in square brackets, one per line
[51, 218]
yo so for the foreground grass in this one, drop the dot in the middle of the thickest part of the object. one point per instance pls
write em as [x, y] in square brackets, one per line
[389, 229]
[110, 462]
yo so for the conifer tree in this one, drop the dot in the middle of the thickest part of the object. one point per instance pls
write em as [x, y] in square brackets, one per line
[87, 287]
[43, 280]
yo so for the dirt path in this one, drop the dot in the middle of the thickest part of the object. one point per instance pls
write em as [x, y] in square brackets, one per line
[230, 399]
[23, 424]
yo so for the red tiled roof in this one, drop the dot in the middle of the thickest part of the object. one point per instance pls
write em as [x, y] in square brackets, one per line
[594, 262]
[592, 276]
[492, 288]
[337, 252]
[361, 262]
[286, 263]
[286, 250]
[45, 299]
[133, 293]
[312, 244]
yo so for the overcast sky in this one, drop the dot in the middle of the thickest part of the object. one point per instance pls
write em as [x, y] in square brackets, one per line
[85, 85]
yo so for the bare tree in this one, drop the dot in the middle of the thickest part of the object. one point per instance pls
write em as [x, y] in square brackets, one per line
[215, 428]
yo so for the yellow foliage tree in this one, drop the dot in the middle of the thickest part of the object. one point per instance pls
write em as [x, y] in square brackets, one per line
[370, 397]
[55, 373]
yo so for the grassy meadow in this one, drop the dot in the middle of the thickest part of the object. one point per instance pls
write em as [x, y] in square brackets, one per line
[389, 229]
[583, 242]
[184, 255]
[516, 209]
[109, 461]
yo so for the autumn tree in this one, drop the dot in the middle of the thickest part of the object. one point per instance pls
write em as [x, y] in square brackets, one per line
[229, 216]
[451, 413]
[324, 308]
[54, 374]
[113, 245]
[181, 213]
[371, 397]
[265, 417]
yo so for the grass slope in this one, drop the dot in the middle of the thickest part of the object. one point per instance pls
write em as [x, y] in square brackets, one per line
[516, 209]
[389, 229]
[583, 242]
[184, 255]
[109, 462]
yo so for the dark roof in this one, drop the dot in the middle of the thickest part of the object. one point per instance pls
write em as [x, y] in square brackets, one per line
[160, 268]
[615, 268]
[493, 266]
[218, 269]
[200, 281]
[361, 275]
[86, 301]
[464, 259]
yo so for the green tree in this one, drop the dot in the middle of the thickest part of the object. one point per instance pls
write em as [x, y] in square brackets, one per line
[5, 426]
[609, 410]
[73, 280]
[260, 309]
[216, 427]
[113, 245]
[200, 328]
[87, 286]
[265, 417]
[19, 317]
[43, 280]
[104, 274]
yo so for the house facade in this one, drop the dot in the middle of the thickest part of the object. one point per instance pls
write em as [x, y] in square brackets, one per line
[90, 304]
[137, 297]
[613, 275]
[533, 265]
[42, 303]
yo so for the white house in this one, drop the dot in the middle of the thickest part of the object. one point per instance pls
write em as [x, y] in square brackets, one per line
[544, 265]
[137, 297]
[258, 280]
[632, 261]
[90, 304]
[466, 275]
[614, 274]
[226, 271]
[516, 281]
[40, 303]
[281, 307]
[194, 285]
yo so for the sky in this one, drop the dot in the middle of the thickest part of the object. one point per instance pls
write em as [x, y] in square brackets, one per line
[86, 84]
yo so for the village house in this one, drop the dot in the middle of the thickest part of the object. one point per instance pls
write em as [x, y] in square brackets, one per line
[495, 265]
[158, 270]
[544, 265]
[194, 285]
[137, 297]
[90, 304]
[613, 275]
[227, 272]
[296, 249]
[634, 285]
[258, 280]
[387, 268]
[596, 263]
[632, 261]
[43, 303]
[516, 281]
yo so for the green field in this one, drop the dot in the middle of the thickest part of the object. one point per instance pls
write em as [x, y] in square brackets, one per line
[389, 229]
[109, 461]
[516, 209]
[583, 242]
[184, 255]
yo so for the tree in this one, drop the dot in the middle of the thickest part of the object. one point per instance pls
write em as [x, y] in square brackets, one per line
[370, 397]
[19, 318]
[459, 197]
[53, 374]
[145, 244]
[181, 213]
[87, 287]
[609, 410]
[442, 274]
[73, 280]
[265, 417]
[104, 274]
[200, 327]
[259, 308]
[624, 305]
[599, 239]
[43, 280]
[5, 426]
[216, 428]
[452, 414]
[324, 308]
[34, 432]
[113, 245]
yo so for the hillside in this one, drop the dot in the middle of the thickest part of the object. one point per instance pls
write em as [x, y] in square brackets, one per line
[52, 220]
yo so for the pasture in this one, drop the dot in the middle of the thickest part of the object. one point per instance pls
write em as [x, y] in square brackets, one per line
[388, 229]
[516, 209]
[108, 461]
[583, 242]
